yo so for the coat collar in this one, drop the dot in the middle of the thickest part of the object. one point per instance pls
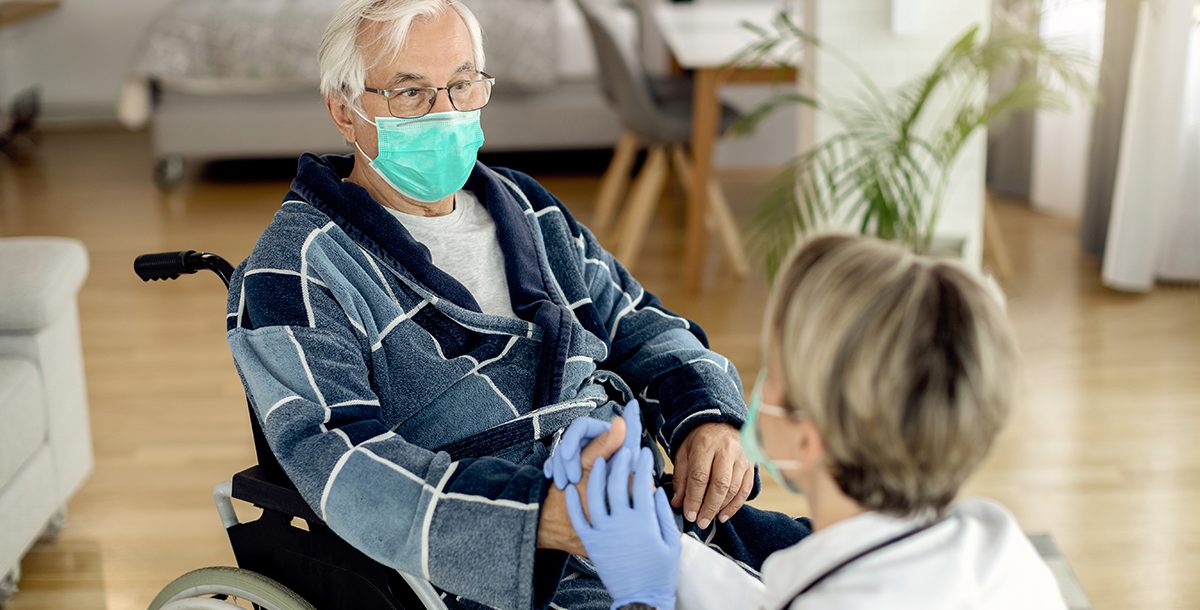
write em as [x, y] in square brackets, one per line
[319, 181]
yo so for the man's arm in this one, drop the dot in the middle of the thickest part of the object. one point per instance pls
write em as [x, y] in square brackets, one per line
[693, 395]
[664, 357]
[468, 526]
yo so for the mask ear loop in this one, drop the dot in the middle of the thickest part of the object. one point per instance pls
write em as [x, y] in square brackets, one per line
[783, 413]
[367, 119]
[752, 441]
[368, 157]
[363, 116]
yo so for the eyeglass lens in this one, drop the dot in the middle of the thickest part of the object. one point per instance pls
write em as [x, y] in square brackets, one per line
[465, 96]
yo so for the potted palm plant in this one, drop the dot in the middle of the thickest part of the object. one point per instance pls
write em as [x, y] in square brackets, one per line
[886, 169]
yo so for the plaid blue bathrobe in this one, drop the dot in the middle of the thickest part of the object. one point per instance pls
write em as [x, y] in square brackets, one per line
[415, 425]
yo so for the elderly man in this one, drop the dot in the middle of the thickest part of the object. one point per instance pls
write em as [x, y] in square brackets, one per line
[416, 329]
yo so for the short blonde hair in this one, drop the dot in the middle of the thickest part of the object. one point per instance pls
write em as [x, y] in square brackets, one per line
[343, 67]
[906, 366]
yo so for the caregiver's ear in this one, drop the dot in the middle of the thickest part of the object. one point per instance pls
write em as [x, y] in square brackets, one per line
[812, 446]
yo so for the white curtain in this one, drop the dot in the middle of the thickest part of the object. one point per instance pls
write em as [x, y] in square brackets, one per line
[1062, 139]
[1154, 229]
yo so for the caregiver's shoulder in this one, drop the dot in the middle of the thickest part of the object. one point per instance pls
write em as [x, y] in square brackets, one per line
[977, 557]
[1007, 567]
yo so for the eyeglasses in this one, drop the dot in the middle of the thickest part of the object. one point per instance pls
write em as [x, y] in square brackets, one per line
[415, 102]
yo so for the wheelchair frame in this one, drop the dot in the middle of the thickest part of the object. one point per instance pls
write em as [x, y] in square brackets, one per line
[311, 561]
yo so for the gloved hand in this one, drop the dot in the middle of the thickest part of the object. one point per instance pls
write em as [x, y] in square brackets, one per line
[564, 465]
[631, 539]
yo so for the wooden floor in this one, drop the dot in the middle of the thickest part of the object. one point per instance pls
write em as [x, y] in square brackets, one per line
[1103, 452]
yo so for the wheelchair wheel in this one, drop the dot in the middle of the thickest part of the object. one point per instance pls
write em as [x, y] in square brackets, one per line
[223, 588]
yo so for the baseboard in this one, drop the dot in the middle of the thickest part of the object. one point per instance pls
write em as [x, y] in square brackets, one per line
[59, 115]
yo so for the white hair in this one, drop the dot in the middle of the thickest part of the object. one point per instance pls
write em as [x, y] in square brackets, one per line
[343, 67]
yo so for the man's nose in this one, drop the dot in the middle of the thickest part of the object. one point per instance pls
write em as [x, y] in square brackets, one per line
[441, 103]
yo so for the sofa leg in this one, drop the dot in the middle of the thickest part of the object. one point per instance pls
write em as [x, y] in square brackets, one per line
[8, 585]
[168, 172]
[54, 526]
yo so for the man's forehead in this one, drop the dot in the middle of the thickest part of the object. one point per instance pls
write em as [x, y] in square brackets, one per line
[403, 76]
[432, 50]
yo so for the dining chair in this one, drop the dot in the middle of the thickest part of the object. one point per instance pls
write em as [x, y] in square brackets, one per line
[655, 114]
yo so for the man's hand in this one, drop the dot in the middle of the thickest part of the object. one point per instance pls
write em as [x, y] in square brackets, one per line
[713, 477]
[632, 538]
[564, 465]
[554, 526]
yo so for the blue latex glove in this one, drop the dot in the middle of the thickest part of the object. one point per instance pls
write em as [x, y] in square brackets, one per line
[632, 540]
[565, 467]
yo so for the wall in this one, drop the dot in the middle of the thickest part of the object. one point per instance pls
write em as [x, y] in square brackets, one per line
[863, 30]
[766, 147]
[80, 55]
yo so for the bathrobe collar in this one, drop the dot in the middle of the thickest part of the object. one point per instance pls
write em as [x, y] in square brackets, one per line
[319, 182]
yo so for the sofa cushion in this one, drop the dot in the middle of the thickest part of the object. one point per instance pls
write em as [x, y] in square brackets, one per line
[23, 413]
[40, 277]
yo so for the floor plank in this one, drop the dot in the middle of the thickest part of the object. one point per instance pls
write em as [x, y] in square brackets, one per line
[1101, 452]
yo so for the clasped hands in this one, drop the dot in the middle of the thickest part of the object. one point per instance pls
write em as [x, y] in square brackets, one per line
[712, 478]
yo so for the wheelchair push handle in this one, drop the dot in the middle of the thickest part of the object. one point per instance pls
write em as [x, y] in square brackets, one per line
[171, 265]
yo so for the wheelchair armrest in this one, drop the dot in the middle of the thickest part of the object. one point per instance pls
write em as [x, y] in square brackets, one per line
[258, 487]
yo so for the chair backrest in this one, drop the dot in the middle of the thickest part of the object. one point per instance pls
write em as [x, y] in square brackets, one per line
[622, 77]
[652, 47]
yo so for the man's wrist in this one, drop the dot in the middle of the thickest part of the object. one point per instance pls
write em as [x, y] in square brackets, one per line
[683, 433]
[554, 526]
[550, 534]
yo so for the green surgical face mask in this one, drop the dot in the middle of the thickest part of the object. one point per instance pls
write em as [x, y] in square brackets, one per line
[752, 443]
[427, 158]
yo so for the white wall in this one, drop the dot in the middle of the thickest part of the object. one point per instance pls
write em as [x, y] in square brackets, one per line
[771, 144]
[79, 54]
[862, 29]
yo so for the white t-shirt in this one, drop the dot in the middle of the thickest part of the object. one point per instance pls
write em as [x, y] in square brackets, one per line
[463, 243]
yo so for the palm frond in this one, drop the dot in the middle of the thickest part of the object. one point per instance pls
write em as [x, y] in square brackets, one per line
[750, 121]
[886, 170]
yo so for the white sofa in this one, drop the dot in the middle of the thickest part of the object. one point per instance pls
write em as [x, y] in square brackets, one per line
[45, 437]
[208, 119]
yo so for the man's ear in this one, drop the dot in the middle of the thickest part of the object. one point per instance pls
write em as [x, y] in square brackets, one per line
[343, 116]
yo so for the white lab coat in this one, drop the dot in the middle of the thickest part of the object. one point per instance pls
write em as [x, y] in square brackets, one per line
[976, 558]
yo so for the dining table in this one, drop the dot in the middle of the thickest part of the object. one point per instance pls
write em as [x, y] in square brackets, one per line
[705, 38]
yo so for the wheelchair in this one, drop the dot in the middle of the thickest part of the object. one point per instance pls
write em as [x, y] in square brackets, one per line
[287, 559]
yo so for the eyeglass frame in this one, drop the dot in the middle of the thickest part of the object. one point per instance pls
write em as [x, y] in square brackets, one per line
[387, 94]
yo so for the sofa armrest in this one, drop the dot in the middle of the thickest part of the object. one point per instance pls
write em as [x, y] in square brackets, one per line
[40, 278]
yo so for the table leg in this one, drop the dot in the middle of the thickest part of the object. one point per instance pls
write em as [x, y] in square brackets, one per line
[705, 114]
